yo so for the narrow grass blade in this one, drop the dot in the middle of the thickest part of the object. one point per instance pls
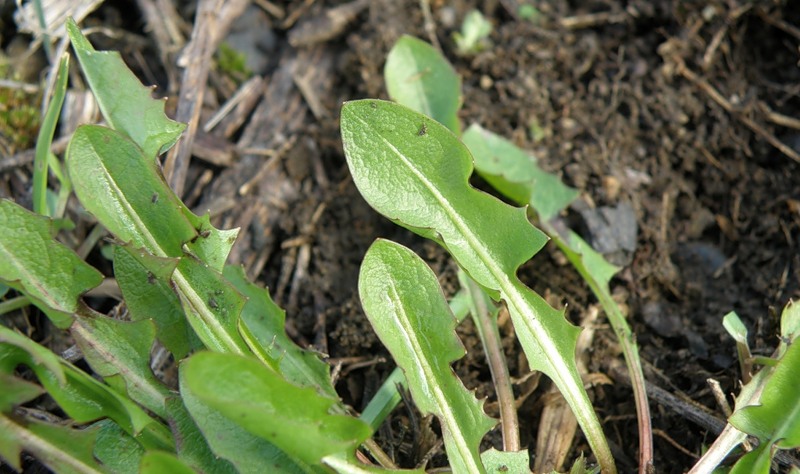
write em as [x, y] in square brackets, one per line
[126, 104]
[420, 180]
[407, 309]
[45, 138]
[297, 420]
[33, 262]
[418, 76]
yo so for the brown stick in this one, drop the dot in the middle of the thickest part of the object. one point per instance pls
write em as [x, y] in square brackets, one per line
[213, 19]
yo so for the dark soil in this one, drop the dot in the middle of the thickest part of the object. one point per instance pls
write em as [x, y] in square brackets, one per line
[672, 108]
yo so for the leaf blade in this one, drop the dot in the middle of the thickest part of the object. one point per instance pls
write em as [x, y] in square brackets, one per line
[125, 102]
[407, 309]
[421, 182]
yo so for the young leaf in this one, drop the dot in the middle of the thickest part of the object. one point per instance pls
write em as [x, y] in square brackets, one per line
[418, 76]
[127, 193]
[119, 351]
[515, 173]
[60, 448]
[231, 442]
[145, 283]
[405, 305]
[33, 262]
[263, 324]
[776, 420]
[126, 104]
[420, 180]
[297, 420]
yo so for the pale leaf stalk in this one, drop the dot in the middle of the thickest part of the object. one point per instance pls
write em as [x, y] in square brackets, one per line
[490, 337]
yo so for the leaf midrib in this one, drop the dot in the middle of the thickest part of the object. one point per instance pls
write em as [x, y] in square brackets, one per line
[409, 334]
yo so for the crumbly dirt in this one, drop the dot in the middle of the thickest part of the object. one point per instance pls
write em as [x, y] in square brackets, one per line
[675, 110]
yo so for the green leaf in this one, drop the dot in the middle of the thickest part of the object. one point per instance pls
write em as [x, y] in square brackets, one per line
[121, 350]
[124, 189]
[297, 420]
[212, 306]
[503, 462]
[33, 262]
[126, 104]
[193, 448]
[757, 461]
[35, 355]
[421, 181]
[229, 441]
[16, 392]
[790, 322]
[405, 305]
[776, 420]
[418, 76]
[127, 193]
[516, 174]
[160, 462]
[116, 449]
[145, 283]
[62, 449]
[263, 324]
[82, 397]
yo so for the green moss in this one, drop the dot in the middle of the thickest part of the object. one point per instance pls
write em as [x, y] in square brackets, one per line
[233, 62]
[20, 117]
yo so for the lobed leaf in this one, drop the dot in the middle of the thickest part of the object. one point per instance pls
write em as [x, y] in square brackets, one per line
[145, 283]
[128, 195]
[263, 324]
[418, 76]
[33, 262]
[420, 180]
[62, 449]
[405, 305]
[119, 351]
[126, 104]
[297, 420]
